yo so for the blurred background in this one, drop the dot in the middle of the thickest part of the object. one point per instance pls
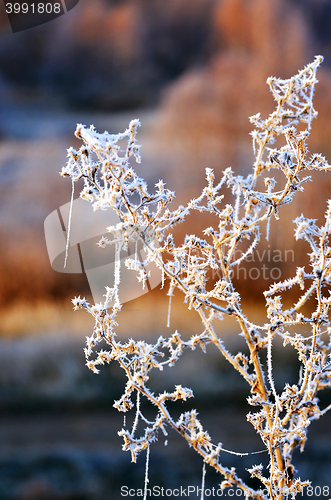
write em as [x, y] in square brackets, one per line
[192, 71]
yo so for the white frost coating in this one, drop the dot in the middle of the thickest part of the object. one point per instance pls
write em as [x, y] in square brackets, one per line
[146, 473]
[69, 222]
[280, 414]
[202, 496]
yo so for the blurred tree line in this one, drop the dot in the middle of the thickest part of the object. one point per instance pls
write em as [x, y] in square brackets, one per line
[200, 65]
[119, 54]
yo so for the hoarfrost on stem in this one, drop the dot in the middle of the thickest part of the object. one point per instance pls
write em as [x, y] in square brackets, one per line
[281, 416]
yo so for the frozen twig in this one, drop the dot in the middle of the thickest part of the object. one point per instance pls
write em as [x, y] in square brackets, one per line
[281, 415]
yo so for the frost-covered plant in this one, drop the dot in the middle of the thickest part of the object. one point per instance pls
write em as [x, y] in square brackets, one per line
[280, 416]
